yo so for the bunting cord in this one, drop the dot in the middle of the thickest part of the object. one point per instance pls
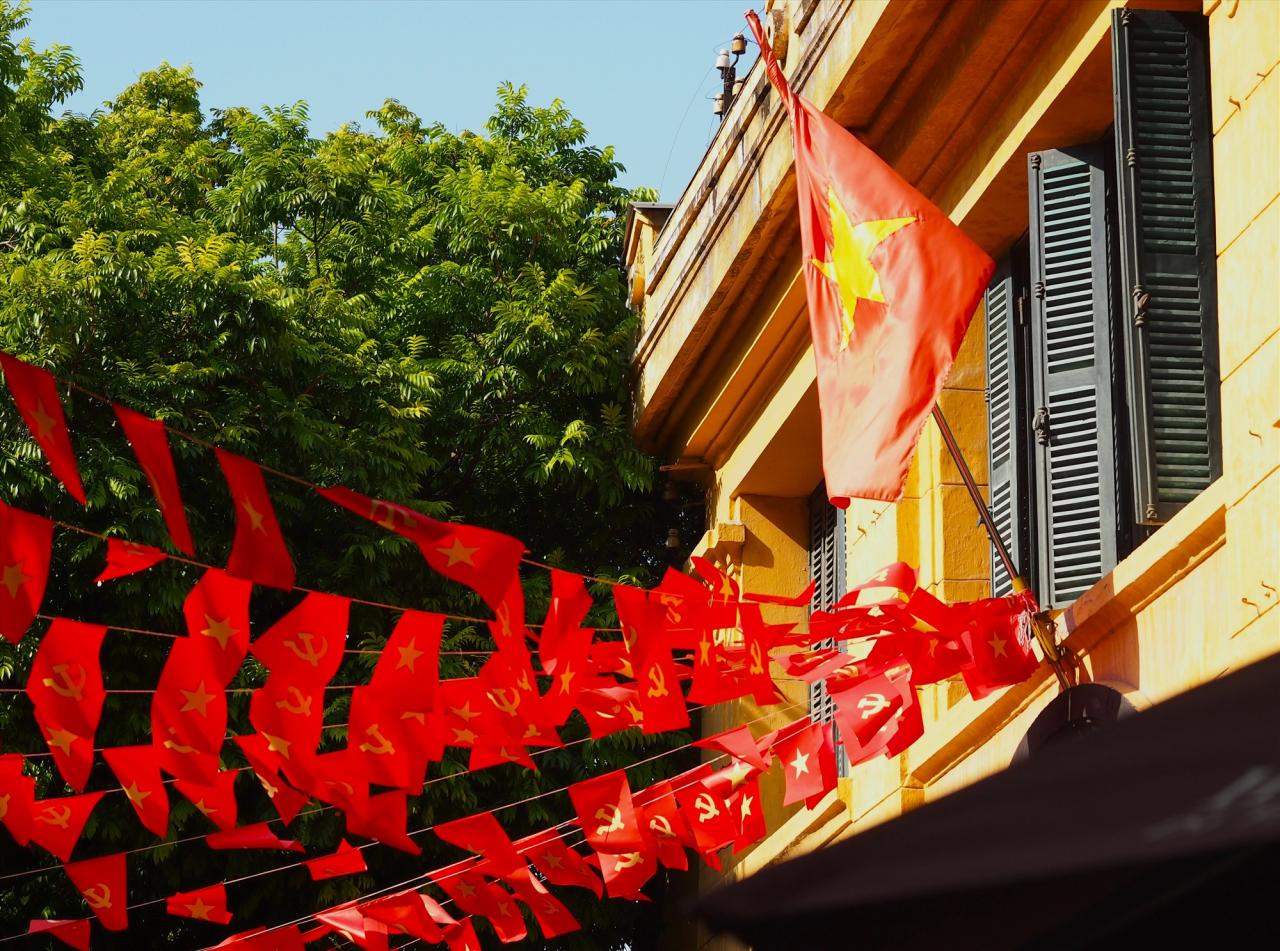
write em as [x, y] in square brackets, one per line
[300, 863]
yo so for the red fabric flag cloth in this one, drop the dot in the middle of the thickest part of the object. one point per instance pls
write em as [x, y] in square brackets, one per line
[65, 682]
[482, 834]
[74, 933]
[216, 801]
[606, 813]
[748, 811]
[384, 819]
[128, 558]
[289, 719]
[891, 286]
[255, 836]
[643, 623]
[570, 603]
[150, 441]
[381, 744]
[305, 646]
[411, 658]
[663, 821]
[104, 884]
[137, 769]
[204, 904]
[474, 894]
[287, 938]
[559, 864]
[35, 393]
[462, 936]
[217, 616]
[17, 797]
[407, 913]
[800, 756]
[828, 769]
[349, 922]
[258, 552]
[738, 743]
[624, 875]
[998, 637]
[72, 754]
[709, 818]
[347, 860]
[26, 541]
[552, 916]
[56, 824]
[877, 713]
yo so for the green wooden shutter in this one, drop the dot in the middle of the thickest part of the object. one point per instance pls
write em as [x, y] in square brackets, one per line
[827, 569]
[1074, 452]
[1168, 264]
[1008, 422]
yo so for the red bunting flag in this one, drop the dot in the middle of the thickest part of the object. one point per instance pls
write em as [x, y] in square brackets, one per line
[203, 904]
[552, 916]
[748, 810]
[65, 682]
[217, 616]
[255, 836]
[189, 714]
[891, 285]
[103, 883]
[25, 543]
[71, 752]
[258, 551]
[56, 824]
[287, 938]
[462, 936]
[289, 718]
[709, 817]
[128, 558]
[625, 874]
[557, 863]
[998, 638]
[570, 603]
[35, 393]
[381, 743]
[266, 767]
[74, 933]
[481, 833]
[150, 441]
[643, 623]
[347, 860]
[137, 769]
[411, 658]
[800, 755]
[349, 922]
[476, 895]
[873, 711]
[606, 813]
[216, 801]
[738, 743]
[828, 769]
[305, 646]
[410, 913]
[17, 797]
[384, 819]
[664, 823]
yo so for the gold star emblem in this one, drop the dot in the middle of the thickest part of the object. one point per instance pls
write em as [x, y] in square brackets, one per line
[220, 630]
[463, 736]
[255, 517]
[44, 422]
[13, 578]
[136, 795]
[550, 860]
[196, 700]
[464, 712]
[409, 655]
[800, 764]
[849, 262]
[466, 889]
[198, 909]
[704, 650]
[637, 714]
[504, 909]
[61, 740]
[458, 553]
[206, 810]
[997, 644]
[746, 806]
[276, 744]
[566, 677]
[268, 788]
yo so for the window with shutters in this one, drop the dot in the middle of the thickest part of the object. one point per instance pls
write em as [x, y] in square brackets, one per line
[827, 569]
[1102, 332]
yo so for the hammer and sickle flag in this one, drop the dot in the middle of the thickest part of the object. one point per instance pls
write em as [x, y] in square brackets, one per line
[65, 682]
[657, 677]
[305, 646]
[608, 795]
[17, 797]
[892, 285]
[56, 824]
[103, 883]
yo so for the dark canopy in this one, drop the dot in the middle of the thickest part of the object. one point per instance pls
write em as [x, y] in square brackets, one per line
[1163, 827]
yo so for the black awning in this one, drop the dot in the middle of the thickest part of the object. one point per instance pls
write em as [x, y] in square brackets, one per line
[1163, 826]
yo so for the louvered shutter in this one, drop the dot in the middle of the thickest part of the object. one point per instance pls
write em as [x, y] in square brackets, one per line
[826, 568]
[1074, 457]
[1008, 422]
[1168, 265]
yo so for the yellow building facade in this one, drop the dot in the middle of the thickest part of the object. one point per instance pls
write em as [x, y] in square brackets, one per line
[958, 96]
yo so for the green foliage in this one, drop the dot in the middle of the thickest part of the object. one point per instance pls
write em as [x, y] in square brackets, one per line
[429, 317]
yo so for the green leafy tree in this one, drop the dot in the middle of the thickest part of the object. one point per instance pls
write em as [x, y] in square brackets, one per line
[429, 317]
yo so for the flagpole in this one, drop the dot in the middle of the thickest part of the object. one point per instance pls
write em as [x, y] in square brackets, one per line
[1040, 624]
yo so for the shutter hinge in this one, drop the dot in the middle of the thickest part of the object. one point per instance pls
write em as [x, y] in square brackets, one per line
[1038, 290]
[1140, 301]
[1131, 157]
[1152, 512]
[1041, 426]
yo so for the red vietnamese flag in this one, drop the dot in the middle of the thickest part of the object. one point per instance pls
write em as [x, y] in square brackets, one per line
[476, 895]
[462, 936]
[748, 811]
[305, 646]
[348, 921]
[800, 756]
[17, 797]
[738, 743]
[65, 682]
[407, 913]
[347, 860]
[150, 442]
[891, 285]
[215, 801]
[411, 657]
[606, 813]
[138, 771]
[482, 834]
[127, 558]
[332, 778]
[557, 863]
[570, 603]
[217, 616]
[35, 393]
[25, 544]
[74, 933]
[260, 939]
[827, 767]
[552, 916]
[384, 819]
[103, 883]
[203, 904]
[56, 824]
[998, 637]
[266, 765]
[72, 753]
[258, 552]
[255, 836]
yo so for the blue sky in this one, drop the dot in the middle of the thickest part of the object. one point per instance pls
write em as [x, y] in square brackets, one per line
[637, 73]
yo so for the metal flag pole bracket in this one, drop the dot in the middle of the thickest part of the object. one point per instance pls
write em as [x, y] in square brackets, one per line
[1041, 623]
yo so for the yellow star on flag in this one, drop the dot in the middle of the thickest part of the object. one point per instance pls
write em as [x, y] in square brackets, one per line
[220, 630]
[255, 517]
[409, 655]
[44, 422]
[849, 260]
[458, 553]
[198, 909]
[800, 764]
[136, 795]
[13, 578]
[61, 740]
[997, 644]
[196, 700]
